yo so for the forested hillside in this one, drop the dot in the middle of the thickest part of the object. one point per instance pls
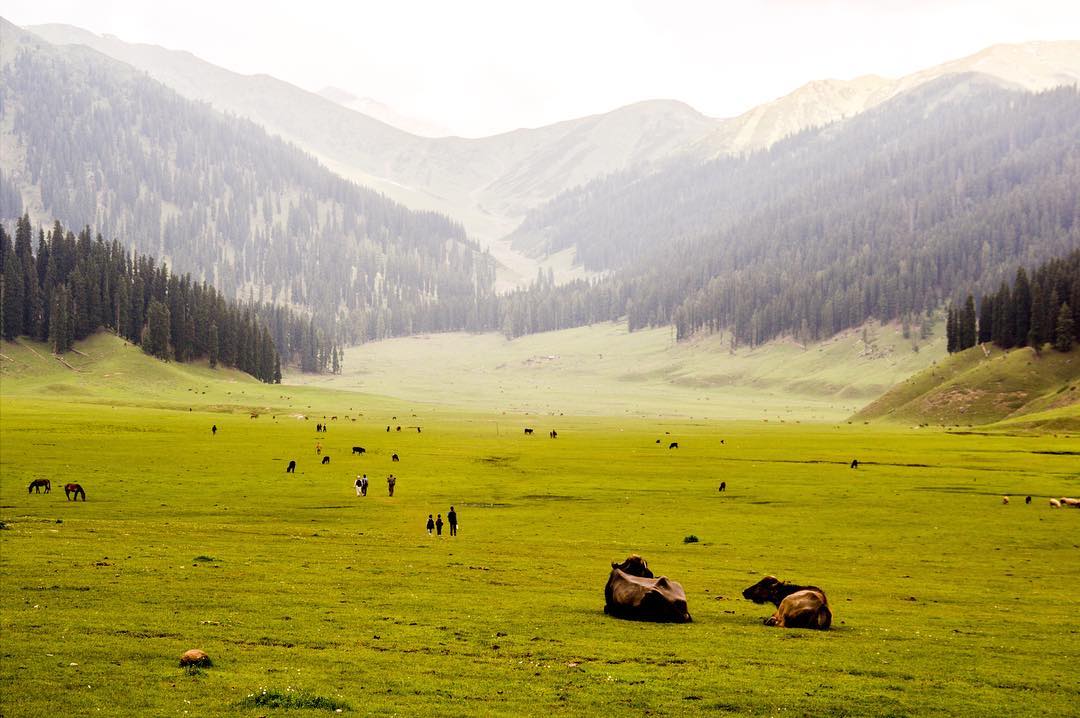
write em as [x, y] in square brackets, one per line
[73, 286]
[86, 139]
[940, 192]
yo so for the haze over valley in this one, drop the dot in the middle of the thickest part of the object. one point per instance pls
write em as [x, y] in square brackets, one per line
[539, 359]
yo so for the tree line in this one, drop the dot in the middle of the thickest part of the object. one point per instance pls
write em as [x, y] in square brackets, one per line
[72, 286]
[1043, 309]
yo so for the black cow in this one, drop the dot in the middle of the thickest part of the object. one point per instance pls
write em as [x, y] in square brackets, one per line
[528, 431]
[358, 450]
[326, 460]
[673, 445]
[291, 468]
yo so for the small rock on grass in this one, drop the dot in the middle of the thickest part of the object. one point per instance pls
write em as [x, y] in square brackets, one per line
[195, 657]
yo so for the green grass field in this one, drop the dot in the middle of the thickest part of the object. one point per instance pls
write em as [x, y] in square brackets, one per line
[945, 601]
[603, 370]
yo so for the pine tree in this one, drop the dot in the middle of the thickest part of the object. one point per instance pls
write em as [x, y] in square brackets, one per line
[1021, 301]
[61, 325]
[13, 297]
[952, 332]
[1037, 329]
[156, 334]
[986, 319]
[212, 348]
[967, 324]
[1064, 340]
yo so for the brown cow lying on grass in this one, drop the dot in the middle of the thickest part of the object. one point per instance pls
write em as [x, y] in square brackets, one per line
[632, 592]
[796, 606]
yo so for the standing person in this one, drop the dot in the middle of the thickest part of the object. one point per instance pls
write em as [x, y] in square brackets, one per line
[391, 481]
[213, 430]
[318, 447]
[451, 518]
[438, 525]
[363, 485]
[430, 524]
[359, 485]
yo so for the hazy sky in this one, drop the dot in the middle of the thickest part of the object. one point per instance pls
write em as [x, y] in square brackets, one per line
[485, 66]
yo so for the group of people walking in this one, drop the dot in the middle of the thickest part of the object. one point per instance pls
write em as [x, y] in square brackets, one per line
[436, 524]
[361, 484]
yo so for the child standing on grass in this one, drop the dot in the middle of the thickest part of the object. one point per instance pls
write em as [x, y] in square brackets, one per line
[438, 525]
[391, 482]
[430, 524]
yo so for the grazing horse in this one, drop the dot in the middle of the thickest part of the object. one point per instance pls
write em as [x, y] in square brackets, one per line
[632, 592]
[291, 468]
[673, 445]
[1027, 500]
[854, 463]
[528, 432]
[394, 457]
[358, 450]
[723, 486]
[796, 606]
[76, 490]
[326, 460]
[37, 484]
[554, 434]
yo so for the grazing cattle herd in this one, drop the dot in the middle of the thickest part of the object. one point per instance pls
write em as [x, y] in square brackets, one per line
[632, 591]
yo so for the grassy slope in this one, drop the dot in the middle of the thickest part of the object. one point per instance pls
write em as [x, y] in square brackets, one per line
[946, 602]
[1018, 388]
[605, 370]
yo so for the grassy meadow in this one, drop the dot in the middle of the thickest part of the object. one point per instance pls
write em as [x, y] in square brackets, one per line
[309, 599]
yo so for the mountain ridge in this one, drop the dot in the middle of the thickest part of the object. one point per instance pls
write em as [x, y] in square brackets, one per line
[489, 184]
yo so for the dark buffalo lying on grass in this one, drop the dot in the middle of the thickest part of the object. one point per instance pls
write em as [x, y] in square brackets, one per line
[632, 593]
[796, 606]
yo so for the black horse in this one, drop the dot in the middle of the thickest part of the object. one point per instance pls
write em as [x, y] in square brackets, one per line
[37, 484]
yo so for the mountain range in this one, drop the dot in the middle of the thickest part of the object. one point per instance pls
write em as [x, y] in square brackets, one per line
[490, 184]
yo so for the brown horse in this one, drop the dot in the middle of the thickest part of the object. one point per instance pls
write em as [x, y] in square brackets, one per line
[76, 490]
[796, 606]
[37, 484]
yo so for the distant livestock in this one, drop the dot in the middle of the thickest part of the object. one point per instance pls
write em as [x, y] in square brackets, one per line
[723, 486]
[1066, 501]
[796, 606]
[1004, 499]
[854, 463]
[1027, 500]
[394, 457]
[632, 593]
[1055, 504]
[398, 428]
[658, 441]
[291, 468]
[74, 490]
[673, 445]
[38, 484]
[554, 434]
[326, 460]
[358, 450]
[528, 432]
